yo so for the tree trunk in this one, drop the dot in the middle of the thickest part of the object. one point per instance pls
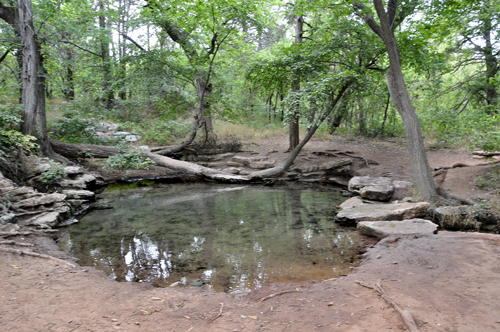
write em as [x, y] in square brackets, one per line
[30, 66]
[491, 66]
[422, 174]
[108, 95]
[294, 116]
[33, 74]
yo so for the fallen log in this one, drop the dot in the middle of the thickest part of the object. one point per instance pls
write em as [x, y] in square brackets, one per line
[98, 151]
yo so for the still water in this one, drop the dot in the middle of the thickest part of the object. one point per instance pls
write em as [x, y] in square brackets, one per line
[236, 238]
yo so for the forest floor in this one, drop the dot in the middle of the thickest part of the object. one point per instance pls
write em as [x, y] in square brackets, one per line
[448, 281]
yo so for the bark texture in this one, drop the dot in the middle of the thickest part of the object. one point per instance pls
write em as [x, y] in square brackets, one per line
[421, 170]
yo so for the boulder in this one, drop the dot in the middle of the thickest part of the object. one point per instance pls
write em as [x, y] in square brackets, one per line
[375, 188]
[81, 182]
[79, 194]
[382, 229]
[381, 193]
[457, 217]
[40, 200]
[351, 202]
[374, 212]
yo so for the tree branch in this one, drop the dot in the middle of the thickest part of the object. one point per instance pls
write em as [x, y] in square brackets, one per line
[5, 55]
[83, 49]
[133, 42]
[367, 17]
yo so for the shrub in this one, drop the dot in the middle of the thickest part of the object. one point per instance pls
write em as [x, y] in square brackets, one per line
[53, 174]
[128, 161]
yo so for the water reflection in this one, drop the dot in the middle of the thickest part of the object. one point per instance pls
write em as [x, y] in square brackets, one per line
[236, 238]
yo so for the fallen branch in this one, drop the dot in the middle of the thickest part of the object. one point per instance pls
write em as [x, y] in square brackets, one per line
[457, 165]
[34, 254]
[220, 313]
[276, 294]
[486, 153]
[405, 314]
[21, 244]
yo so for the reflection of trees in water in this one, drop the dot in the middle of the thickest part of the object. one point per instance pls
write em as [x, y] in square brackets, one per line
[236, 236]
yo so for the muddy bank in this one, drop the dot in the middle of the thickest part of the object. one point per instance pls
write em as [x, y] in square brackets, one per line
[443, 285]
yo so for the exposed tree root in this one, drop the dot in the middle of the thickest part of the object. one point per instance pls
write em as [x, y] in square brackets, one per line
[220, 313]
[276, 294]
[405, 314]
[34, 254]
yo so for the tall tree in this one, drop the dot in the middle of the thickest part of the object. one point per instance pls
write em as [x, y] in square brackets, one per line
[33, 75]
[389, 19]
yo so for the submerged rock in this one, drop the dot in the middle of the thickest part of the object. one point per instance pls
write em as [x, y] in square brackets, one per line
[382, 229]
[375, 212]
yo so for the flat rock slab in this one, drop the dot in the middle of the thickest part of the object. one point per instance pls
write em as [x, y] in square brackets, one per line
[378, 212]
[78, 194]
[375, 188]
[335, 164]
[383, 229]
[351, 202]
[40, 200]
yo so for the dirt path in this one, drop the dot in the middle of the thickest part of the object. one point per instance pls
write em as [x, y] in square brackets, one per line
[449, 282]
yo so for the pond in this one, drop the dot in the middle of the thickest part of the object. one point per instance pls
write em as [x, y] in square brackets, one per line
[236, 238]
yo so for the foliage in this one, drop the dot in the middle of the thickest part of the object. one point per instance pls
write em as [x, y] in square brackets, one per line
[129, 160]
[72, 128]
[9, 137]
[490, 181]
[53, 174]
[158, 131]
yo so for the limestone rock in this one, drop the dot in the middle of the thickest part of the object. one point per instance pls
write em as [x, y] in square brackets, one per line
[73, 170]
[21, 191]
[456, 217]
[79, 194]
[373, 212]
[377, 193]
[264, 164]
[382, 229]
[376, 188]
[82, 181]
[45, 220]
[335, 164]
[351, 202]
[5, 183]
[232, 170]
[40, 200]
[247, 160]
[8, 218]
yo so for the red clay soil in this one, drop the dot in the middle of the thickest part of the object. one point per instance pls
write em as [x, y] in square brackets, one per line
[448, 282]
